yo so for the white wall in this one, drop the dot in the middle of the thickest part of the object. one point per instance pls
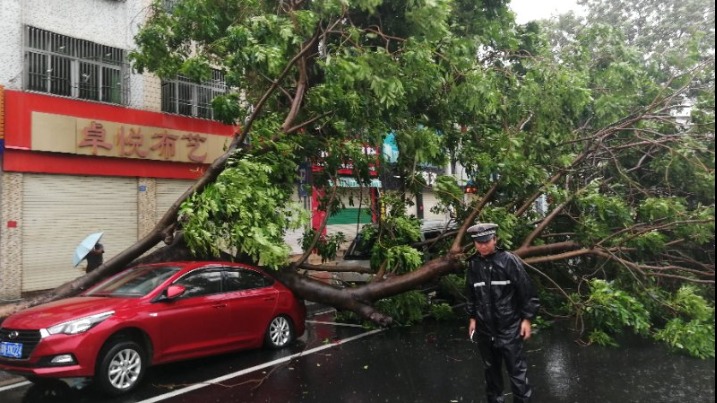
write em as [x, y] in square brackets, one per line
[10, 44]
[107, 22]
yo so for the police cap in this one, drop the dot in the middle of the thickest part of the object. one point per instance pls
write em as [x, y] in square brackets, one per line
[483, 232]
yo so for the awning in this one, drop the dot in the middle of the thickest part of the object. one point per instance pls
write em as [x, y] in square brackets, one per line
[347, 182]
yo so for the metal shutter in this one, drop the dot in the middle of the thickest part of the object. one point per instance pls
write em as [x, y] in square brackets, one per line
[60, 210]
[168, 191]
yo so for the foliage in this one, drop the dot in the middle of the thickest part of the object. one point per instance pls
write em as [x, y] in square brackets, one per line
[452, 286]
[403, 259]
[683, 320]
[540, 322]
[217, 219]
[450, 196]
[688, 302]
[578, 147]
[692, 329]
[659, 26]
[406, 308]
[326, 246]
[601, 338]
[609, 310]
[441, 311]
[695, 337]
[391, 242]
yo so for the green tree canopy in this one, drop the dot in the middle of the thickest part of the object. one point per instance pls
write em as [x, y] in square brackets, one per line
[585, 129]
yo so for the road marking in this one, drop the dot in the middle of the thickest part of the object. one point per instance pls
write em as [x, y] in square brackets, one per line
[257, 368]
[334, 323]
[246, 371]
[14, 385]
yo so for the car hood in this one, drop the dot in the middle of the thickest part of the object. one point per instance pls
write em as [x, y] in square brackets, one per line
[52, 313]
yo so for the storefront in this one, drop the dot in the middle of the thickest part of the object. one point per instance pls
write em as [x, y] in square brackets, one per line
[360, 200]
[360, 205]
[71, 168]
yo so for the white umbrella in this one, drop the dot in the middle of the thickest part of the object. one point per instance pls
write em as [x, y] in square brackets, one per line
[85, 247]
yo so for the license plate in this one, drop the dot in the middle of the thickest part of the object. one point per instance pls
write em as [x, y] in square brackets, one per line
[10, 350]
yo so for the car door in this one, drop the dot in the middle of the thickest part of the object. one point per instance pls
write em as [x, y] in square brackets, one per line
[194, 323]
[251, 302]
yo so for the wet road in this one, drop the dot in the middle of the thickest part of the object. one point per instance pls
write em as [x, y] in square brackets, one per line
[432, 362]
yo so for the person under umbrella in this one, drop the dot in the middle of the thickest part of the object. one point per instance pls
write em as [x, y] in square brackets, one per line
[89, 249]
[94, 258]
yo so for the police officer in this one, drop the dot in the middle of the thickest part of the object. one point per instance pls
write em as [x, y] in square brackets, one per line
[501, 302]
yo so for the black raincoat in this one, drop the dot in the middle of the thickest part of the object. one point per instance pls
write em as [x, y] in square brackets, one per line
[500, 295]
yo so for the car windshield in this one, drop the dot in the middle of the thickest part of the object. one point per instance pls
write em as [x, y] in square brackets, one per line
[134, 283]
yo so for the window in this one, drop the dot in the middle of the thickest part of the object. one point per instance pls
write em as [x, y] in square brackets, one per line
[185, 97]
[76, 68]
[135, 282]
[238, 280]
[201, 282]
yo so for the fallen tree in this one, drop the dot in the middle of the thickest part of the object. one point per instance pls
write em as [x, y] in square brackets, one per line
[577, 157]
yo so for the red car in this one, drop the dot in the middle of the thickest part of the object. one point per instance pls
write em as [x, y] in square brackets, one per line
[147, 315]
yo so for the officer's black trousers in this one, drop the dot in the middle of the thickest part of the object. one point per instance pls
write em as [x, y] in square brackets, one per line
[494, 354]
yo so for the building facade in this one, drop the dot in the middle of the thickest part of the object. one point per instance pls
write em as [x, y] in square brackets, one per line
[87, 145]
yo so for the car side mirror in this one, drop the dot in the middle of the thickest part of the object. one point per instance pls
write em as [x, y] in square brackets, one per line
[174, 291]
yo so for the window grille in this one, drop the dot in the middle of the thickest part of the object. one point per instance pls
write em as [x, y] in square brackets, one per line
[77, 68]
[186, 97]
[169, 5]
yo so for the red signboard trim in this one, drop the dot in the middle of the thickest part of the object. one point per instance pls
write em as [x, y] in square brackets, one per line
[16, 160]
[18, 138]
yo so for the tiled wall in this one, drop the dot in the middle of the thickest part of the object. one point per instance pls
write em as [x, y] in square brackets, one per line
[10, 237]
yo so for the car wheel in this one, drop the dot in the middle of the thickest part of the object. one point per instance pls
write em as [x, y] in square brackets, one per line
[279, 333]
[121, 367]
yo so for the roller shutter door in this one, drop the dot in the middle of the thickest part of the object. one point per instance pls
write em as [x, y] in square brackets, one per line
[168, 191]
[59, 211]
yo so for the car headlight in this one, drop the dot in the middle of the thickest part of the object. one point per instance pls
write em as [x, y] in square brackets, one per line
[77, 325]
